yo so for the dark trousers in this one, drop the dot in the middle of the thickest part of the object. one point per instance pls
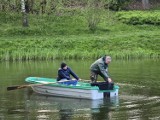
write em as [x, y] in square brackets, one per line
[94, 76]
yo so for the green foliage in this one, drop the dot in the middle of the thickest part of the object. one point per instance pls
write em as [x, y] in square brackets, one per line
[139, 17]
[117, 5]
[66, 37]
[42, 24]
[76, 47]
[93, 14]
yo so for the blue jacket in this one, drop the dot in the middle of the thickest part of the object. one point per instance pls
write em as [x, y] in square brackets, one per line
[65, 74]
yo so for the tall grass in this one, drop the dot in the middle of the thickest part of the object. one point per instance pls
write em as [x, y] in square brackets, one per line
[78, 48]
[68, 37]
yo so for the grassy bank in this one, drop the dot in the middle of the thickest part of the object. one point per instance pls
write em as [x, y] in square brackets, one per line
[68, 37]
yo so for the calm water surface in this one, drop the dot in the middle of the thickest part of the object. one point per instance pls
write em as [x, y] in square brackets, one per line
[139, 95]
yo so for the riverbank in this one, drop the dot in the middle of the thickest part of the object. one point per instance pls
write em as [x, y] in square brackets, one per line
[68, 37]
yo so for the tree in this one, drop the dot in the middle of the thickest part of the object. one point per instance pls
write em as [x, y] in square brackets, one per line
[24, 14]
[94, 9]
[145, 4]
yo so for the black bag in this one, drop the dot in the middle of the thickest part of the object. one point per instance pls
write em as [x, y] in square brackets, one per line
[103, 85]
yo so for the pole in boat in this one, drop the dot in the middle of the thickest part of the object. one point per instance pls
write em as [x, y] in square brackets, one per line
[31, 85]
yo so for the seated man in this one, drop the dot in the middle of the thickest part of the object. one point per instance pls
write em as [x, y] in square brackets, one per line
[64, 74]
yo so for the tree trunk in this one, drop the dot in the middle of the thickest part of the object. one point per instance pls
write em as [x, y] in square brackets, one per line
[24, 14]
[43, 6]
[145, 4]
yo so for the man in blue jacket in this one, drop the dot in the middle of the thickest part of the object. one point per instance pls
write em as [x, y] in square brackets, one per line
[64, 73]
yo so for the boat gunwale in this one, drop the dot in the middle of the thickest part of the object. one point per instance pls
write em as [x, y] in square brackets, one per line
[33, 81]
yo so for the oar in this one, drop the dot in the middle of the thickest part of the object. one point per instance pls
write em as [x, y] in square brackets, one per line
[31, 85]
[84, 80]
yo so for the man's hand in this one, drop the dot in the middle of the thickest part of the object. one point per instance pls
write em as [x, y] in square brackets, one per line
[109, 80]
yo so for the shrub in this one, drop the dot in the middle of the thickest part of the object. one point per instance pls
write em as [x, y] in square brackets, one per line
[139, 17]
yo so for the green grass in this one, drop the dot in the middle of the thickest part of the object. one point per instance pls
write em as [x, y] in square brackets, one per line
[139, 17]
[68, 37]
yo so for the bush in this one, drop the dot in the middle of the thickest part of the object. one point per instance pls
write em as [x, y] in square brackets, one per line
[139, 17]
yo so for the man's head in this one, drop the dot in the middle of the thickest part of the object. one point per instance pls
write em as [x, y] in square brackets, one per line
[108, 59]
[63, 65]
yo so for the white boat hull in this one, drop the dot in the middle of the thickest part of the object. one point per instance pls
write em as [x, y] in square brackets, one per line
[68, 92]
[72, 93]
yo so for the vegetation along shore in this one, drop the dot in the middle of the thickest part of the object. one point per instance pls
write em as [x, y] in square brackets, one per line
[80, 32]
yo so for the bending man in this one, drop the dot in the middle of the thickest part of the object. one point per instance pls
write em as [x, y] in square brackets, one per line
[100, 67]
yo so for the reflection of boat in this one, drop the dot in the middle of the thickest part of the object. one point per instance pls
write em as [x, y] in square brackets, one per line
[81, 90]
[62, 108]
[63, 103]
[45, 103]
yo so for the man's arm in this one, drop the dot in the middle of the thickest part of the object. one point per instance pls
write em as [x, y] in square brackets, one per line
[73, 74]
[60, 72]
[103, 70]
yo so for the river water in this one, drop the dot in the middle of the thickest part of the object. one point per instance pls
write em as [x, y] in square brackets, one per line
[139, 93]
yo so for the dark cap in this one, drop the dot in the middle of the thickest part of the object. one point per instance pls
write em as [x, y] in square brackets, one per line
[63, 65]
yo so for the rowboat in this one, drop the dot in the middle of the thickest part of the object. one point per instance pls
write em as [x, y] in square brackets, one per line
[50, 86]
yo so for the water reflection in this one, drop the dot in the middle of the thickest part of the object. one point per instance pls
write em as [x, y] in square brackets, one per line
[139, 96]
[66, 108]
